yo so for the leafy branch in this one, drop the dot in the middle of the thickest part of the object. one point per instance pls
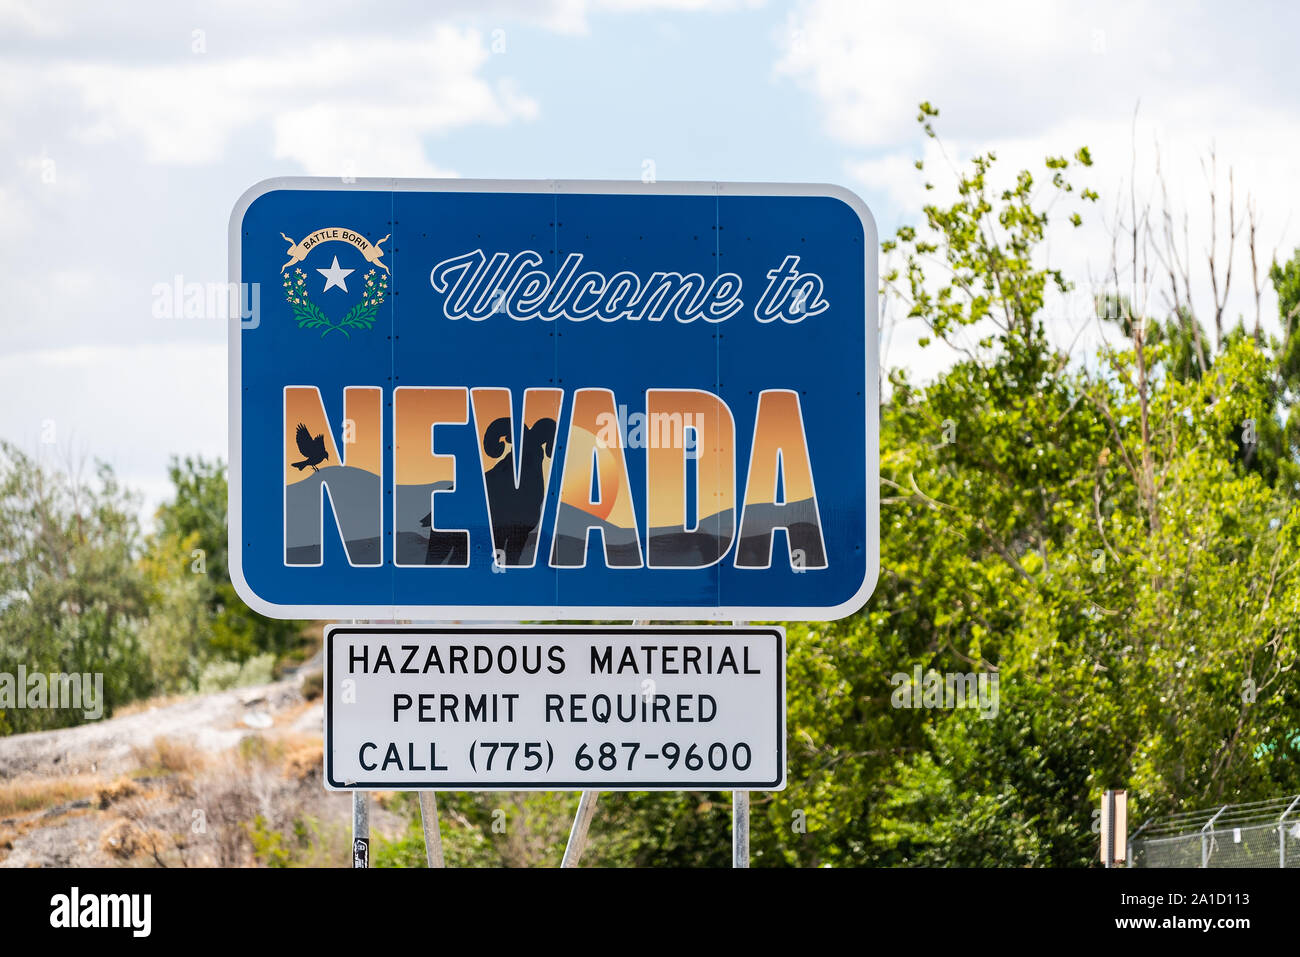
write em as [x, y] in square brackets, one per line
[310, 316]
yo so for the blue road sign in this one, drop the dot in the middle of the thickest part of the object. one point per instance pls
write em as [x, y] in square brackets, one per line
[462, 399]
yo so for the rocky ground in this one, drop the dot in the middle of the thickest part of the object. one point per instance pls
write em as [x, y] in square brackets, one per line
[216, 779]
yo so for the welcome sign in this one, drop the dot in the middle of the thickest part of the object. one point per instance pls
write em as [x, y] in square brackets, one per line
[462, 399]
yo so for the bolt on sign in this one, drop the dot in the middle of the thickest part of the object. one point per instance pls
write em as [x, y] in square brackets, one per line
[554, 708]
[549, 400]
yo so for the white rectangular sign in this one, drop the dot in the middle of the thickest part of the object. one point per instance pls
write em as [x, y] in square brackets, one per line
[554, 708]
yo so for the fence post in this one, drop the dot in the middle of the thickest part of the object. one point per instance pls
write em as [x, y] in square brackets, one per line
[1132, 857]
[1205, 847]
[1281, 832]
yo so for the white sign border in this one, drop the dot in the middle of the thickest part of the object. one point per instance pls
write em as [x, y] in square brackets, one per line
[556, 632]
[870, 394]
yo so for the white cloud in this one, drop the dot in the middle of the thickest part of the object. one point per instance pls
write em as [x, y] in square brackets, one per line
[572, 16]
[133, 406]
[371, 101]
[1031, 80]
[27, 18]
[330, 140]
[684, 6]
[870, 63]
[253, 22]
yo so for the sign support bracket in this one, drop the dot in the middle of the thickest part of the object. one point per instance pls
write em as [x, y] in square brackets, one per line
[740, 820]
[581, 823]
[432, 833]
[586, 811]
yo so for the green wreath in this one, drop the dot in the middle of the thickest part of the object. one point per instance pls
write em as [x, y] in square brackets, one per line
[310, 316]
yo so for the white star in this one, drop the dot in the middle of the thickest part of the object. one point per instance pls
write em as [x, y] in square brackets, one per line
[334, 276]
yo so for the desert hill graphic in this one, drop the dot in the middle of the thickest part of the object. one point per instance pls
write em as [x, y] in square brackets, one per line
[356, 497]
[570, 544]
[354, 494]
[413, 534]
[674, 548]
[800, 519]
[709, 541]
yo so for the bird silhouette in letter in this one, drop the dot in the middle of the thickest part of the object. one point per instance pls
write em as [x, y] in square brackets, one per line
[313, 450]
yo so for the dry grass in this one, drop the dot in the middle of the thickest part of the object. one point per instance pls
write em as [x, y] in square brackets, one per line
[313, 685]
[181, 806]
[26, 794]
[148, 704]
[119, 790]
[169, 755]
[290, 716]
[303, 757]
[274, 750]
[12, 829]
[122, 840]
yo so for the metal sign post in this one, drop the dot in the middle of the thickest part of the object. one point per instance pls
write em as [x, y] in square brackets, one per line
[360, 819]
[740, 829]
[432, 833]
[581, 823]
[360, 828]
[740, 822]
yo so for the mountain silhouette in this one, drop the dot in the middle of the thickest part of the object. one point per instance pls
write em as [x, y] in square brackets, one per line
[572, 528]
[355, 499]
[312, 449]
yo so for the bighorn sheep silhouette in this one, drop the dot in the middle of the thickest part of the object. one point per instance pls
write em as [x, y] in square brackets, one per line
[516, 508]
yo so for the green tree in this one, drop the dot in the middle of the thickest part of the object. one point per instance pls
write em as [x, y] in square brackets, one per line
[191, 543]
[1094, 533]
[71, 594]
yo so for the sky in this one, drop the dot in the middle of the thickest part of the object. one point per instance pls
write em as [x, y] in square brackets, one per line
[127, 133]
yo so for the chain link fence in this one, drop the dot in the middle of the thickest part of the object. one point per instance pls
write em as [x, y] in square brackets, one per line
[1256, 834]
